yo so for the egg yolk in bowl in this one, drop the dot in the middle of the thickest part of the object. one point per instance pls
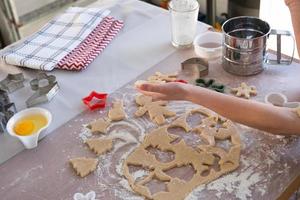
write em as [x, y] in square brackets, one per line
[30, 124]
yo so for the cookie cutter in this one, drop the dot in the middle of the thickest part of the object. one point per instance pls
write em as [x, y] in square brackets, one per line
[12, 82]
[195, 66]
[4, 99]
[7, 110]
[181, 81]
[210, 84]
[100, 100]
[279, 99]
[88, 196]
[45, 87]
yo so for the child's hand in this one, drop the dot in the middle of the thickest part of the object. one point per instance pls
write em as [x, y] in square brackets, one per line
[165, 91]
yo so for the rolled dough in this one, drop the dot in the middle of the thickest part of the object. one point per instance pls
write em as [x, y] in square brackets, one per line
[156, 110]
[202, 159]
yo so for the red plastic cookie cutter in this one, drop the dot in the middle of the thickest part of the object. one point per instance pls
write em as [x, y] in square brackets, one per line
[181, 81]
[100, 100]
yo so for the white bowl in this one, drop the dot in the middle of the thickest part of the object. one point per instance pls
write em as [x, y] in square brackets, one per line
[279, 99]
[209, 52]
[29, 141]
[276, 99]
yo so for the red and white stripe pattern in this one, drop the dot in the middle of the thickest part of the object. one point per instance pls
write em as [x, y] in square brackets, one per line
[92, 46]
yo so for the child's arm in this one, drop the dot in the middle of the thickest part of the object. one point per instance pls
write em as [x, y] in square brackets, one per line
[262, 116]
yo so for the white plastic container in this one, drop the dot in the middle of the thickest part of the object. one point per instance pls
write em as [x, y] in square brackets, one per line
[208, 45]
[29, 141]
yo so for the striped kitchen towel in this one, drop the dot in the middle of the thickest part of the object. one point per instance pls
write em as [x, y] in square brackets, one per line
[57, 40]
[92, 46]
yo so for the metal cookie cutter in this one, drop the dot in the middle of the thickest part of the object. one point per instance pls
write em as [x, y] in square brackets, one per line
[44, 93]
[7, 110]
[195, 66]
[12, 82]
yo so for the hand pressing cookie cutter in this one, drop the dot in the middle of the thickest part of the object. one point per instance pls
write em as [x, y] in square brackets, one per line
[101, 97]
[12, 82]
[210, 84]
[7, 110]
[195, 66]
[279, 99]
[45, 93]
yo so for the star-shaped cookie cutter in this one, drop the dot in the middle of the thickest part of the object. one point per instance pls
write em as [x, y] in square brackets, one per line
[7, 110]
[195, 66]
[180, 81]
[100, 100]
[210, 84]
[45, 87]
[12, 82]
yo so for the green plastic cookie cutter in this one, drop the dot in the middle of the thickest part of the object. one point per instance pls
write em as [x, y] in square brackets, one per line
[210, 84]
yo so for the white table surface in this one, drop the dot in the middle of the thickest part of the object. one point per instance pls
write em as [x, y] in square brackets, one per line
[143, 42]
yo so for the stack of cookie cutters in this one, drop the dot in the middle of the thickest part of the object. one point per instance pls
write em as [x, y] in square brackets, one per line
[12, 82]
[279, 99]
[195, 66]
[45, 87]
[7, 110]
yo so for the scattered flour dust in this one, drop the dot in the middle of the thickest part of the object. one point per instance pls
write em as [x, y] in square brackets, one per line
[237, 184]
[123, 137]
[85, 133]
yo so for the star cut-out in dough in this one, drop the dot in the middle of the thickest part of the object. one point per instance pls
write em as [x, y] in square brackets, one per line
[181, 122]
[156, 110]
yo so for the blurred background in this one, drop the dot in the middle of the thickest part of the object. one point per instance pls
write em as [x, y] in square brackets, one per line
[20, 18]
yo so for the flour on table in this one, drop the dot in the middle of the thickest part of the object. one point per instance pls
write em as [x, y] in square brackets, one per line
[237, 184]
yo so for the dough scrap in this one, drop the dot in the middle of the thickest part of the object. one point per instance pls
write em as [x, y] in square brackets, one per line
[156, 110]
[117, 112]
[244, 91]
[201, 159]
[83, 166]
[140, 82]
[99, 126]
[158, 76]
[181, 122]
[99, 145]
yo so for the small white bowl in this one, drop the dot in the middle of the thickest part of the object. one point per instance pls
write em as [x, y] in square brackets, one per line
[279, 99]
[29, 141]
[276, 99]
[209, 52]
